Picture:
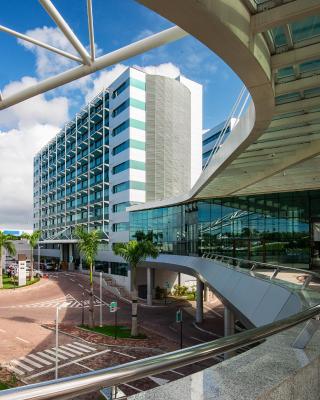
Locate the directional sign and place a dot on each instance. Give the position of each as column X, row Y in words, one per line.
column 166, row 285
column 113, row 306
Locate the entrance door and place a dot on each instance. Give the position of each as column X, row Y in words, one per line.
column 315, row 244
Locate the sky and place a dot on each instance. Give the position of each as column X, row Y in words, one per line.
column 26, row 127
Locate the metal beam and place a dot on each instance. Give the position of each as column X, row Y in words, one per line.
column 297, row 85
column 39, row 43
column 281, row 15
column 131, row 50
column 299, row 105
column 66, row 30
column 275, row 144
column 91, row 30
column 295, row 56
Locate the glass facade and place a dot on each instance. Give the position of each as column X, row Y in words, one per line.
column 277, row 228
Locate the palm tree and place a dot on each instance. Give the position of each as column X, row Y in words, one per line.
column 88, row 243
column 134, row 253
column 33, row 239
column 5, row 244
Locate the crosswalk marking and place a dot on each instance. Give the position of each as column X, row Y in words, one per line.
column 85, row 346
column 41, row 360
column 64, row 352
column 77, row 347
column 31, row 362
column 79, row 353
column 46, row 358
column 43, row 354
column 58, row 355
column 21, row 365
column 16, row 370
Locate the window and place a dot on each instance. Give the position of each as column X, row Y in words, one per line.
column 124, row 125
column 120, row 167
column 120, row 227
column 121, row 207
column 128, row 164
column 121, row 108
column 121, row 88
column 135, row 144
column 120, row 187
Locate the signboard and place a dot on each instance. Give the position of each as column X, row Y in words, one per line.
column 22, row 273
column 179, row 316
column 113, row 306
column 166, row 285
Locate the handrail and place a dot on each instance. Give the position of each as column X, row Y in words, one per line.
column 277, row 268
column 70, row 387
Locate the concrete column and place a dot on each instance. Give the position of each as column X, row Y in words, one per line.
column 199, row 305
column 205, row 294
column 109, row 269
column 129, row 278
column 228, row 327
column 149, row 286
column 70, row 263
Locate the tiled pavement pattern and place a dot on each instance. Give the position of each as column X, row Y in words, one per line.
column 67, row 301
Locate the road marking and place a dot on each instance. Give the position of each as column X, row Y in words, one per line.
column 198, row 340
column 72, row 280
column 43, row 354
column 2, row 330
column 79, row 353
column 79, row 284
column 14, row 369
column 176, row 372
column 45, row 362
column 54, row 354
column 205, row 331
column 122, row 354
column 69, row 363
column 85, row 346
column 21, row 365
column 87, row 290
column 64, row 352
column 33, row 363
column 83, row 366
column 173, row 329
column 132, row 387
column 22, row 340
column 77, row 347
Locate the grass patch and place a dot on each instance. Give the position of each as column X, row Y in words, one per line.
column 123, row 332
column 9, row 283
column 3, row 386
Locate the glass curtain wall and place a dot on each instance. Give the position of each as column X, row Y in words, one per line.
column 277, row 228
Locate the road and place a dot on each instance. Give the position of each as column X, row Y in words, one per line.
column 28, row 348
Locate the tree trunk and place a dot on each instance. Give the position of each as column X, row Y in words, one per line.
column 91, row 304
column 1, row 281
column 31, row 265
column 134, row 301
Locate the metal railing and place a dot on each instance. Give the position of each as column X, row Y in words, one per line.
column 237, row 262
column 70, row 387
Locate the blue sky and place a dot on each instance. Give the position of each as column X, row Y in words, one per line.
column 117, row 23
column 28, row 126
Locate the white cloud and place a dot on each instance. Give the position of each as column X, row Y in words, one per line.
column 37, row 110
column 17, row 148
column 167, row 69
column 24, row 129
column 103, row 79
column 47, row 62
